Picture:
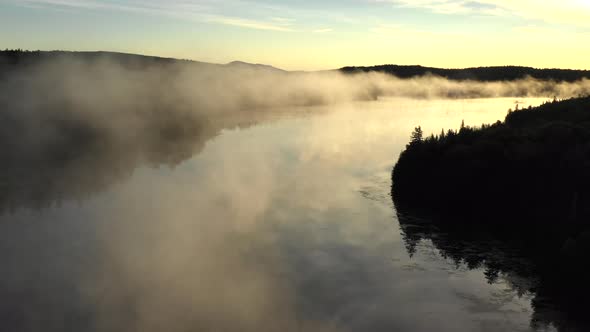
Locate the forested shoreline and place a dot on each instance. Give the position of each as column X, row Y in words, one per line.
column 523, row 184
column 481, row 74
column 534, row 164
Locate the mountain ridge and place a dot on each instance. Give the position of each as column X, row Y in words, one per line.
column 483, row 74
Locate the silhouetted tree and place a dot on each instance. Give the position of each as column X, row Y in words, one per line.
column 417, row 136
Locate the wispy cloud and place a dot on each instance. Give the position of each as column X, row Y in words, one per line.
column 567, row 12
column 324, row 30
column 198, row 10
column 148, row 6
column 283, row 20
column 84, row 4
column 248, row 23
column 447, row 6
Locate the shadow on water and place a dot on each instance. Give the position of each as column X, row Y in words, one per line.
column 86, row 159
column 51, row 270
column 556, row 280
column 67, row 157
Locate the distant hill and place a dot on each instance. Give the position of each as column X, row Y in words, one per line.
column 483, row 74
column 246, row 65
column 11, row 58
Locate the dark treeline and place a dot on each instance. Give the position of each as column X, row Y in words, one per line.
column 16, row 62
column 524, row 182
column 9, row 58
column 19, row 59
column 482, row 74
column 536, row 164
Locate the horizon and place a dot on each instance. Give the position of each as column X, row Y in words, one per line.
column 310, row 36
column 289, row 70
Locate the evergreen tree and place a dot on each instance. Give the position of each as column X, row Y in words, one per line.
column 417, row 135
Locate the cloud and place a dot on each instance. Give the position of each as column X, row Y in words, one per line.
column 567, row 12
column 83, row 4
column 325, row 30
column 202, row 11
column 248, row 23
column 446, row 6
column 149, row 6
column 283, row 20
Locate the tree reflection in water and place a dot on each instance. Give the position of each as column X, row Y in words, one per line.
column 558, row 294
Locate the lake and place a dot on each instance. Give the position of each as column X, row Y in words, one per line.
column 279, row 221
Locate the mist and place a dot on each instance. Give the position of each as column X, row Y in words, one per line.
column 65, row 105
column 105, row 93
column 204, row 248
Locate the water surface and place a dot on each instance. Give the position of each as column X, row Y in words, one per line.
column 277, row 222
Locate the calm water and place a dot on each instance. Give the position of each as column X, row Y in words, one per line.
column 279, row 224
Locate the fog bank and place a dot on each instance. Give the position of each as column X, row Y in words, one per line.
column 101, row 113
column 276, row 228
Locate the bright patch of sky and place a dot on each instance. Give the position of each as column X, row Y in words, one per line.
column 311, row 34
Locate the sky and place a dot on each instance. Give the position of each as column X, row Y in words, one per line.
column 311, row 34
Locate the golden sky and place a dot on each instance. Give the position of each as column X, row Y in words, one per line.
column 312, row 34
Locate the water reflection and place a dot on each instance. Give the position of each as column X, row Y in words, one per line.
column 77, row 175
column 86, row 160
column 527, row 264
column 283, row 225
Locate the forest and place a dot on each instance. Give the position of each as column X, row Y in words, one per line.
column 482, row 74
column 535, row 164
